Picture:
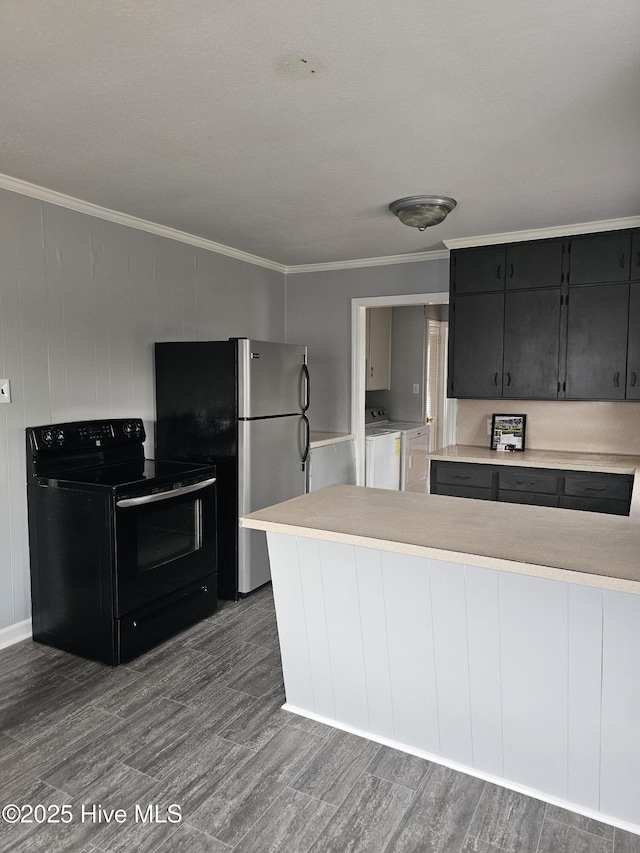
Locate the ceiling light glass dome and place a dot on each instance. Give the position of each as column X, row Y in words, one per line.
column 422, row 211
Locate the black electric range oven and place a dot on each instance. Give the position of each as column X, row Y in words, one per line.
column 122, row 548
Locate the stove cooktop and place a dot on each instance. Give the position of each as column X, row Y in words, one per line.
column 130, row 475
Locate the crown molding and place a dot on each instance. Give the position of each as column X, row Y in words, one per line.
column 414, row 258
column 544, row 233
column 16, row 185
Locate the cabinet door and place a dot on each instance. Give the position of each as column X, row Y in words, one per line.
column 633, row 353
column 597, row 342
column 537, row 264
column 475, row 358
column 378, row 349
column 600, row 258
column 531, row 344
column 635, row 255
column 478, row 270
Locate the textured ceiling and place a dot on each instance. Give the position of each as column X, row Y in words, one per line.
column 284, row 129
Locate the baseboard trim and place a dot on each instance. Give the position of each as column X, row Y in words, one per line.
column 470, row 771
column 15, row 633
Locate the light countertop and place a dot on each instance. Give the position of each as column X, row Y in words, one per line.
column 320, row 439
column 608, row 462
column 588, row 548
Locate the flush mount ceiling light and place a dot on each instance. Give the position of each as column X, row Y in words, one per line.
column 422, row 211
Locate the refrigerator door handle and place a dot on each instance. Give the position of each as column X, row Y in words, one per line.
column 307, row 387
column 307, row 437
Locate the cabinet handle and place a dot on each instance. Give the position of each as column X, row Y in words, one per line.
column 461, row 477
column 594, row 489
column 495, row 379
column 510, row 270
column 638, row 259
column 622, row 257
column 616, row 380
column 526, row 483
column 633, row 379
column 508, row 379
column 498, row 270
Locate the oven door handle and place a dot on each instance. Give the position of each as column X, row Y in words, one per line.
column 163, row 496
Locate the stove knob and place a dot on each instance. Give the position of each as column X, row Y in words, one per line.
column 127, row 428
column 60, row 435
column 138, row 427
column 47, row 436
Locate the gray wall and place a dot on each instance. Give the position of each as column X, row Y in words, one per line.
column 318, row 313
column 81, row 302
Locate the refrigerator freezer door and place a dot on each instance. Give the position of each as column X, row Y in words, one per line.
column 271, row 380
column 270, row 471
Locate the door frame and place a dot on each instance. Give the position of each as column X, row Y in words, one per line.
column 358, row 366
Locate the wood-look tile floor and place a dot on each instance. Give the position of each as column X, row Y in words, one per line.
column 198, row 723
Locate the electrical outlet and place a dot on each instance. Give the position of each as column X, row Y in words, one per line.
column 5, row 391
column 416, row 388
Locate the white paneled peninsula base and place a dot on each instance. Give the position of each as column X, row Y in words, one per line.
column 447, row 628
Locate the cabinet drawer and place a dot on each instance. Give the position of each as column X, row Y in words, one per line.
column 527, row 498
column 464, row 492
column 611, row 507
column 529, row 480
column 462, row 474
column 593, row 485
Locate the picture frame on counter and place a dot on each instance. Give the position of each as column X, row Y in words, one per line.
column 508, row 432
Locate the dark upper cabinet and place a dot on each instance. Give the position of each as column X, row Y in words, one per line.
column 563, row 320
column 597, row 342
column 635, row 255
column 478, row 270
column 536, row 264
column 633, row 351
column 599, row 258
column 531, row 344
column 511, row 267
column 475, row 346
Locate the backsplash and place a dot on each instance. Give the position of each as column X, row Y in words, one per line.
column 558, row 425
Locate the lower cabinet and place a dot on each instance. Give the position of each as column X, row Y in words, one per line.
column 597, row 492
column 584, row 490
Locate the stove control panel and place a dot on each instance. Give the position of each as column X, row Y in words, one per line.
column 87, row 434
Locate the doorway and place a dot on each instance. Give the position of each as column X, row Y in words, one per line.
column 358, row 368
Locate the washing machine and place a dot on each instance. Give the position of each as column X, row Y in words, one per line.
column 414, row 447
column 382, row 457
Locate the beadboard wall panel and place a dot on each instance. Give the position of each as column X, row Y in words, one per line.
column 528, row 682
column 82, row 301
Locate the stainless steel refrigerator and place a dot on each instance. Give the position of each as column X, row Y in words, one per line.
column 239, row 404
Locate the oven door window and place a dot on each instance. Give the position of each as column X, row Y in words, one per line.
column 163, row 546
column 168, row 533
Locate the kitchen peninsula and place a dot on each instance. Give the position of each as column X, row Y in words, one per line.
column 496, row 638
